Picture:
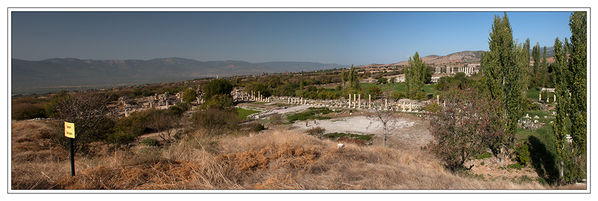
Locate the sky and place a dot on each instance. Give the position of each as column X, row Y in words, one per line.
column 325, row 37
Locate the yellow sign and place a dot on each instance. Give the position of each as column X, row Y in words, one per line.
column 69, row 129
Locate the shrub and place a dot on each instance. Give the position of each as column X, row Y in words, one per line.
column 178, row 109
column 317, row 131
column 523, row 154
column 484, row 155
column 215, row 119
column 189, row 95
column 218, row 101
column 150, row 142
column 255, row 127
column 312, row 113
column 217, row 87
column 515, row 166
column 464, row 127
column 88, row 112
column 21, row 111
column 432, row 107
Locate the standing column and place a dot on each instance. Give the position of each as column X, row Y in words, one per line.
column 359, row 101
column 437, row 99
column 540, row 96
column 554, row 98
column 369, row 101
column 354, row 100
column 349, row 100
column 301, row 101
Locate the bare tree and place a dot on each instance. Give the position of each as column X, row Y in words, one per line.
column 386, row 119
column 90, row 115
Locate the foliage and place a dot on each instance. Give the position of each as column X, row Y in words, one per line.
column 375, row 91
column 255, row 127
column 570, row 88
column 502, row 69
column 243, row 113
column 150, row 142
column 382, row 80
column 523, row 154
column 432, row 107
column 484, row 155
column 465, row 127
column 178, row 109
column 217, row 87
column 317, row 131
column 50, row 107
column 415, row 77
column 516, row 166
column 213, row 118
column 21, row 111
column 311, row 113
column 189, row 95
column 218, row 101
column 348, row 135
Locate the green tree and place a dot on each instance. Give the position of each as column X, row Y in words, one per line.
column 415, row 76
column 544, row 70
column 527, row 71
column 502, row 75
column 577, row 86
column 536, row 69
column 217, row 86
column 189, row 95
column 343, row 77
column 559, row 126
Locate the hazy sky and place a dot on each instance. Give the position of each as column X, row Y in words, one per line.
column 327, row 37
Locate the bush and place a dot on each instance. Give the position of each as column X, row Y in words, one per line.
column 515, row 166
column 523, row 154
column 213, row 118
column 21, row 111
column 189, row 95
column 255, row 127
column 432, row 107
column 317, row 131
column 484, row 155
column 150, row 142
column 88, row 113
column 178, row 109
column 219, row 101
column 217, row 87
column 312, row 113
column 464, row 127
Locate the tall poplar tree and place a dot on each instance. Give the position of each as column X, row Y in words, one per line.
column 415, row 76
column 536, row 57
column 544, row 70
column 502, row 74
column 577, row 86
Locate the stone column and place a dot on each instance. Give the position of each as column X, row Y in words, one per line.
column 369, row 101
column 301, row 101
column 540, row 96
column 354, row 100
column 349, row 100
column 554, row 97
column 437, row 99
column 359, row 101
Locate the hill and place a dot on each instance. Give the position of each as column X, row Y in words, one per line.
column 28, row 76
column 464, row 56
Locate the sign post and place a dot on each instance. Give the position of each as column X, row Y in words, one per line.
column 69, row 131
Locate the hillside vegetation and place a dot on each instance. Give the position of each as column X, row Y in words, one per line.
column 273, row 159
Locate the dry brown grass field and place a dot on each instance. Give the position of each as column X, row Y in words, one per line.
column 271, row 159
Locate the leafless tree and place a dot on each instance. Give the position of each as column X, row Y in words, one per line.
column 388, row 122
column 89, row 112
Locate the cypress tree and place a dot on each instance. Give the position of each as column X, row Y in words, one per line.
column 544, row 70
column 343, row 77
column 415, row 76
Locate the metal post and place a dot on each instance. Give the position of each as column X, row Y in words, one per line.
column 72, row 157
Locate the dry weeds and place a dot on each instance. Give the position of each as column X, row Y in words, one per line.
column 274, row 159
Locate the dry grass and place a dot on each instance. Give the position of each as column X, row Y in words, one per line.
column 274, row 159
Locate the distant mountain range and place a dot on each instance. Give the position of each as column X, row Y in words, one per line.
column 30, row 76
